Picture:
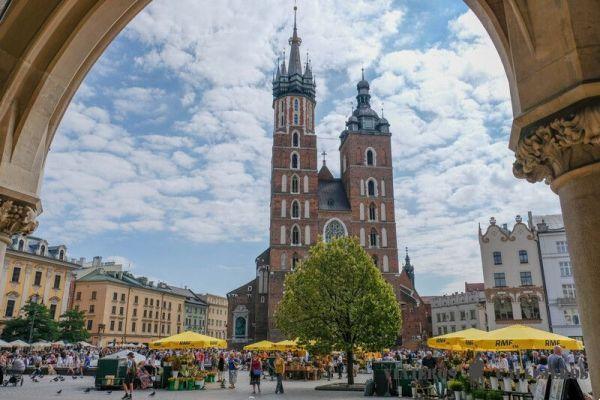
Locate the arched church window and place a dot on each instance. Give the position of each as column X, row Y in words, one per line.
column 296, row 235
column 375, row 260
column 295, row 209
column 371, row 189
column 281, row 122
column 295, row 184
column 372, row 212
column 295, row 261
column 295, row 164
column 296, row 105
column 373, row 238
column 240, row 327
column 334, row 229
column 295, row 139
column 370, row 157
column 295, row 119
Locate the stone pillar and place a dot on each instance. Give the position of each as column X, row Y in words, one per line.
column 66, row 292
column 564, row 150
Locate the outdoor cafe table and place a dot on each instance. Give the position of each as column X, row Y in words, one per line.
column 299, row 372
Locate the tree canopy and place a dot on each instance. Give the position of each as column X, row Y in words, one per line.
column 72, row 326
column 36, row 324
column 337, row 299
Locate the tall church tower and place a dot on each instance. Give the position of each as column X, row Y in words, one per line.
column 294, row 182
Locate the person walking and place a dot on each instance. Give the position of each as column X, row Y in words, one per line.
column 255, row 373
column 130, row 374
column 221, row 368
column 232, row 366
column 340, row 365
column 556, row 362
column 279, row 372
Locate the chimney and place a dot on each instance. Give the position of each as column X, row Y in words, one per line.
column 96, row 261
column 81, row 260
column 505, row 227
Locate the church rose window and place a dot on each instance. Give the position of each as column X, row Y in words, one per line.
column 334, row 229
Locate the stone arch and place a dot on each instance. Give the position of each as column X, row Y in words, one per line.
column 334, row 227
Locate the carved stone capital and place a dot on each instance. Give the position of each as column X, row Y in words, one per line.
column 563, row 144
column 16, row 217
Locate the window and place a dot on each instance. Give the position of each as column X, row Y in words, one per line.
column 78, row 296
column 499, row 279
column 133, row 327
column 122, row 296
column 10, row 308
column 295, row 261
column 497, row 258
column 121, row 310
column 565, row 268
column 135, row 312
column 145, row 313
column 115, row 296
column 530, row 307
column 368, row 123
column 114, row 309
column 37, row 281
column 503, row 308
column 463, row 315
column 90, row 324
column 371, row 191
column 120, row 326
column 472, row 312
column 561, row 247
column 295, row 209
column 571, row 316
column 295, row 164
column 375, row 260
column 52, row 311
column 94, row 295
column 61, row 255
column 569, row 290
column 43, row 250
column 439, row 330
column 91, row 309
column 526, row 279
column 295, row 139
column 21, row 245
column 372, row 212
column 135, row 300
column 112, row 325
column 523, row 257
column 296, row 105
column 370, row 157
column 373, row 238
column 16, row 274
column 295, row 119
column 295, row 235
column 56, row 281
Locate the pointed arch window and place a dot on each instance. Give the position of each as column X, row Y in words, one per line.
column 371, row 188
column 296, row 235
column 295, row 139
column 372, row 212
column 295, row 119
column 281, row 120
column 370, row 157
column 295, row 184
column 373, row 239
column 295, row 162
column 295, row 261
column 296, row 106
column 375, row 260
column 295, row 209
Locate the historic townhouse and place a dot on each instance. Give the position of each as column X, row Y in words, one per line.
column 35, row 271
column 309, row 204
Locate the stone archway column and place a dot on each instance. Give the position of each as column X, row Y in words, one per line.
column 15, row 217
column 564, row 150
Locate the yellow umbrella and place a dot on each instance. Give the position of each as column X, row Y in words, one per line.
column 520, row 337
column 285, row 345
column 188, row 340
column 452, row 341
column 263, row 345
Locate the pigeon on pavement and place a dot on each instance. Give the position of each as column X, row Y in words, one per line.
column 153, row 393
column 59, row 392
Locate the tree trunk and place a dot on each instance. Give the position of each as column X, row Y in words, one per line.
column 350, row 355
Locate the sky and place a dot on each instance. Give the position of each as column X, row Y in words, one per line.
column 162, row 160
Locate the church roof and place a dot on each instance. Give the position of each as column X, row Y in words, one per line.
column 325, row 174
column 263, row 258
column 332, row 195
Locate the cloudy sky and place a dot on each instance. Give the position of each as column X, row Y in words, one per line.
column 162, row 160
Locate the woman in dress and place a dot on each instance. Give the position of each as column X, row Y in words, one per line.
column 255, row 373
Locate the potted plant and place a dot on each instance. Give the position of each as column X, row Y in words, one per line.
column 199, row 379
column 532, row 384
column 456, row 386
column 507, row 381
column 176, row 364
column 494, row 395
column 493, row 379
column 479, row 394
column 467, row 392
column 523, row 384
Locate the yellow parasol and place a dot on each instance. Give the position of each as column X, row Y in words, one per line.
column 188, row 340
column 286, row 345
column 453, row 341
column 520, row 337
column 263, row 345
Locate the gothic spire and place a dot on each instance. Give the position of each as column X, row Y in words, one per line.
column 295, row 66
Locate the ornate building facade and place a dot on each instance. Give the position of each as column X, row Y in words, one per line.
column 309, row 204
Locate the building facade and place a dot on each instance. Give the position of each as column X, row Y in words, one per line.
column 558, row 275
column 121, row 308
column 35, row 271
column 195, row 310
column 513, row 280
column 309, row 204
column 459, row 311
column 216, row 315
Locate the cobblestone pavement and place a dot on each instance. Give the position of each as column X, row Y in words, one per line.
column 74, row 390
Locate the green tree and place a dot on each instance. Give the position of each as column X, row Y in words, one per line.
column 36, row 324
column 338, row 300
column 72, row 326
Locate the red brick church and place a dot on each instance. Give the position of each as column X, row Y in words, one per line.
column 308, row 204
